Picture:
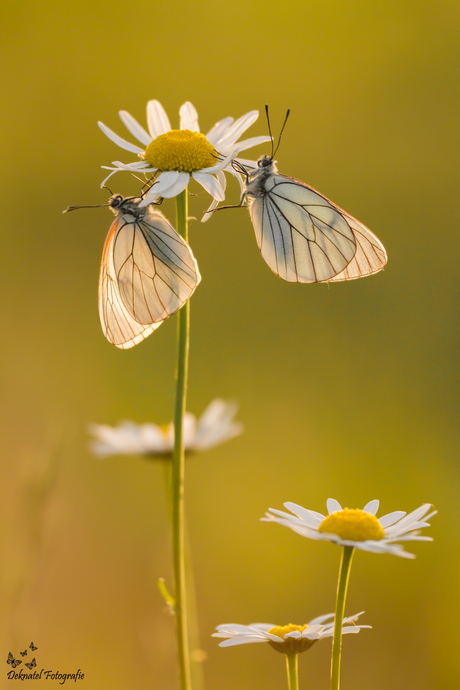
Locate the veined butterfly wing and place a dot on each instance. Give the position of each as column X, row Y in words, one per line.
column 370, row 255
column 147, row 273
column 302, row 235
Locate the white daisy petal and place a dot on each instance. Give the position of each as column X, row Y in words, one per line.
column 189, row 117
column 150, row 197
column 332, row 505
column 371, row 507
column 313, row 629
column 210, row 184
column 240, row 640
column 235, row 627
column 157, row 119
column 221, row 164
column 321, row 619
column 249, row 143
column 214, row 204
column 236, row 130
column 310, row 518
column 135, row 128
column 177, row 187
column 247, row 163
column 108, row 176
column 391, row 518
column 238, row 177
column 122, row 143
column 219, row 130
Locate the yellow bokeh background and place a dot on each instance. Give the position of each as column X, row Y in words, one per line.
column 348, row 390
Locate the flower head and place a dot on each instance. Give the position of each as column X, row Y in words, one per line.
column 178, row 154
column 215, row 426
column 288, row 639
column 354, row 527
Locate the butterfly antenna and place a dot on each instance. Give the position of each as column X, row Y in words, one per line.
column 74, row 208
column 281, row 133
column 109, row 190
column 269, row 129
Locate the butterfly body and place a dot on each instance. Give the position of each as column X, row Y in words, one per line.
column 304, row 237
column 148, row 272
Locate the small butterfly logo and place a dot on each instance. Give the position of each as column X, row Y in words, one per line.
column 32, row 664
column 32, row 647
column 24, row 653
column 11, row 660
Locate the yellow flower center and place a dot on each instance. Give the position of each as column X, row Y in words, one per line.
column 354, row 524
column 182, row 150
column 290, row 645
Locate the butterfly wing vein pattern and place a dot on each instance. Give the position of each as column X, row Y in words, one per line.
column 304, row 237
column 155, row 270
column 148, row 272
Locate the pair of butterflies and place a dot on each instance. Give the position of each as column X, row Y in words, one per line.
column 148, row 270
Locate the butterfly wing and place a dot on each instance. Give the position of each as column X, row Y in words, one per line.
column 155, row 268
column 10, row 658
column 301, row 235
column 370, row 255
column 118, row 326
column 306, row 238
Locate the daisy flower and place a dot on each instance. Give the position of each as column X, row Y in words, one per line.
column 357, row 528
column 288, row 639
column 215, row 426
column 178, row 154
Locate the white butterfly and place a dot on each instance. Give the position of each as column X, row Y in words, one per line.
column 303, row 236
column 148, row 272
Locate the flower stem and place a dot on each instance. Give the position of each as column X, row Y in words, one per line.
column 342, row 585
column 178, row 467
column 292, row 667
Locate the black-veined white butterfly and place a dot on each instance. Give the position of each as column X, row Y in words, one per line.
column 304, row 237
column 32, row 647
column 32, row 664
column 148, row 272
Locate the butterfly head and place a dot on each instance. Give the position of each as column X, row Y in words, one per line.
column 115, row 201
column 126, row 204
column 265, row 166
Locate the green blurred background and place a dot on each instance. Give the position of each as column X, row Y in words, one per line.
column 349, row 391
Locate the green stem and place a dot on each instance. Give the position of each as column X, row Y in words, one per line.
column 342, row 585
column 292, row 668
column 178, row 467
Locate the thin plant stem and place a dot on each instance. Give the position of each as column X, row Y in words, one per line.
column 292, row 668
column 178, row 469
column 342, row 585
column 196, row 666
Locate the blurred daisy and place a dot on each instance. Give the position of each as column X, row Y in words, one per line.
column 357, row 528
column 215, row 426
column 288, row 639
column 178, row 154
